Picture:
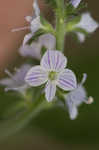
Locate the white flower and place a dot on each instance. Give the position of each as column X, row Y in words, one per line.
column 88, row 24
column 52, row 72
column 16, row 82
column 34, row 50
column 76, row 98
column 75, row 3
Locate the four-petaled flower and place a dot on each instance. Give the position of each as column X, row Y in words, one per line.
column 76, row 97
column 75, row 3
column 52, row 72
column 16, row 82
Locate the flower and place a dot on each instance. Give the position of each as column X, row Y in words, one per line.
column 88, row 24
column 16, row 82
column 34, row 50
column 76, row 97
column 52, row 72
column 34, row 21
column 75, row 3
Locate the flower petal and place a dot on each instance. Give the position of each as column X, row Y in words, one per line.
column 73, row 112
column 81, row 37
column 21, row 73
column 48, row 41
column 36, row 8
column 67, row 80
column 32, row 50
column 50, row 91
column 75, row 3
column 35, row 24
column 27, row 38
column 53, row 60
column 7, row 82
column 36, row 76
column 88, row 23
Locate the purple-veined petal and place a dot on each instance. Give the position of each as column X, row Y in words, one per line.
column 67, row 80
column 48, row 41
column 50, row 91
column 32, row 50
column 36, row 76
column 27, row 38
column 75, row 3
column 53, row 60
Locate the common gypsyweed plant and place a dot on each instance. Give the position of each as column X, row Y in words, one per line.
column 50, row 83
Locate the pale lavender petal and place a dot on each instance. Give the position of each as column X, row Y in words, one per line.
column 50, row 91
column 36, row 76
column 67, row 80
column 75, row 3
column 48, row 41
column 53, row 60
column 77, row 96
column 32, row 50
column 21, row 73
column 88, row 23
column 27, row 38
column 7, row 82
column 35, row 24
column 16, row 80
column 36, row 8
column 72, row 109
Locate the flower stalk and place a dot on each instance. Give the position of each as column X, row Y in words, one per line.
column 60, row 27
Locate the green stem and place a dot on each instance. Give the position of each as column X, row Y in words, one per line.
column 60, row 27
column 60, row 34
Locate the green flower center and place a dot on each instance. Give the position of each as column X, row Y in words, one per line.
column 52, row 75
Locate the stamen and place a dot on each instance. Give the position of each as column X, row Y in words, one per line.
column 90, row 100
column 84, row 78
column 8, row 73
column 20, row 29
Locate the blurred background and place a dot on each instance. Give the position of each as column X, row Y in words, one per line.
column 52, row 129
